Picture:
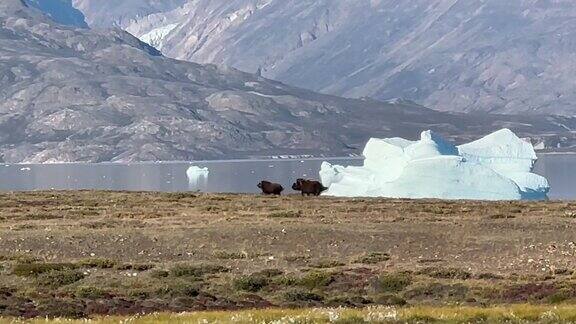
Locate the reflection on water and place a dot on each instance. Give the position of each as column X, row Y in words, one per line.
column 559, row 170
column 224, row 176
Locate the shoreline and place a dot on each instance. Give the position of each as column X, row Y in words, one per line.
column 271, row 159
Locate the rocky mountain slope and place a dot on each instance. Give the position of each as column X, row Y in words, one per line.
column 492, row 55
column 72, row 94
column 120, row 13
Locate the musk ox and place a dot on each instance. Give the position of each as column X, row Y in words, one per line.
column 309, row 187
column 270, row 188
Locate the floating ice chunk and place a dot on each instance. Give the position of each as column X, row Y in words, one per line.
column 430, row 145
column 510, row 156
column 451, row 177
column 501, row 144
column 197, row 178
column 386, row 153
column 502, row 150
column 496, row 167
column 531, row 185
column 344, row 176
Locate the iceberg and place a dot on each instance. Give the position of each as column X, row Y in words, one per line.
column 496, row 167
column 197, row 178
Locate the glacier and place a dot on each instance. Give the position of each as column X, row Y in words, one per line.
column 156, row 36
column 496, row 167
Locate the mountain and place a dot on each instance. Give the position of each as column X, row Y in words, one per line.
column 120, row 13
column 458, row 55
column 72, row 94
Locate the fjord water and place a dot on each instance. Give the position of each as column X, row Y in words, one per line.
column 559, row 169
column 239, row 176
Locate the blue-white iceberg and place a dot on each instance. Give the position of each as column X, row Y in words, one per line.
column 496, row 167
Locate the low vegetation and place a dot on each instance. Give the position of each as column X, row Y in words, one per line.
column 394, row 282
column 110, row 253
column 379, row 314
column 373, row 258
column 83, row 289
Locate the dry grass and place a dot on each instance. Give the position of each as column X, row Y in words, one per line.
column 128, row 227
column 510, row 314
column 124, row 253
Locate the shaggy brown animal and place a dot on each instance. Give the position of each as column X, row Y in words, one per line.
column 309, row 187
column 270, row 188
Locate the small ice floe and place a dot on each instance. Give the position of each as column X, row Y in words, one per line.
column 25, row 169
column 197, row 178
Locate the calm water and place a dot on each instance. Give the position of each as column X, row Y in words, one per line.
column 225, row 176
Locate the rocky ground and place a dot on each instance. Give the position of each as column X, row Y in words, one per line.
column 91, row 253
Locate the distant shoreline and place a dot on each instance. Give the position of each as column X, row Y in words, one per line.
column 237, row 160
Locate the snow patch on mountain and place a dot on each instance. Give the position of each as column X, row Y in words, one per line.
column 156, row 36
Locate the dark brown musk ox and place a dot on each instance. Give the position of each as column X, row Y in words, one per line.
column 270, row 188
column 309, row 187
